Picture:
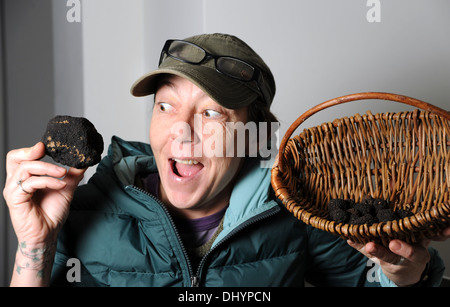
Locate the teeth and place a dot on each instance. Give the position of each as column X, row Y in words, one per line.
column 190, row 162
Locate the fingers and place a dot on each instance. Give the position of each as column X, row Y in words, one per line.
column 382, row 253
column 28, row 169
column 401, row 262
column 35, row 183
column 443, row 235
column 416, row 254
column 25, row 161
column 398, row 252
column 446, row 233
column 38, row 178
column 73, row 177
column 26, row 174
column 16, row 157
column 39, row 168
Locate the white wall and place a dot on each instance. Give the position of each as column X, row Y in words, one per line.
column 317, row 50
column 68, row 62
column 323, row 49
column 113, row 53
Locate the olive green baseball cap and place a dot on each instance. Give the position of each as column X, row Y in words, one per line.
column 225, row 90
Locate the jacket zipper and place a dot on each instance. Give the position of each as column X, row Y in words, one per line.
column 195, row 279
column 255, row 219
column 183, row 249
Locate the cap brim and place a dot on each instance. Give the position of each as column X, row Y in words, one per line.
column 227, row 92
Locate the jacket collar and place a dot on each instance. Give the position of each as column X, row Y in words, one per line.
column 130, row 159
column 251, row 194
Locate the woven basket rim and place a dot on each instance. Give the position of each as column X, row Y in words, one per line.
column 424, row 223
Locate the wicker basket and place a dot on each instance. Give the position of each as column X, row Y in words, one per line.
column 401, row 157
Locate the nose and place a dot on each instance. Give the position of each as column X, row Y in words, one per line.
column 187, row 129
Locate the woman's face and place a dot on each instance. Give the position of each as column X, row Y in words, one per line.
column 189, row 138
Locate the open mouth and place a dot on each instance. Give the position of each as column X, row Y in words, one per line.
column 185, row 167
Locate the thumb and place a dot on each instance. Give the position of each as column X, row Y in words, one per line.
column 37, row 151
column 73, row 177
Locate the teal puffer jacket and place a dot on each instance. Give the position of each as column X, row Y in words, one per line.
column 123, row 236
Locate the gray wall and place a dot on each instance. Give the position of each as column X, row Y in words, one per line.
column 317, row 50
column 27, row 88
column 3, row 210
column 41, row 77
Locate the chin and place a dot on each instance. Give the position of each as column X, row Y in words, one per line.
column 182, row 200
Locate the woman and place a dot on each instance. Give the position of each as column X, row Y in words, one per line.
column 168, row 214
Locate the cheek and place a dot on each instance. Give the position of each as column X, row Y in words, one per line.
column 227, row 170
column 153, row 136
column 157, row 135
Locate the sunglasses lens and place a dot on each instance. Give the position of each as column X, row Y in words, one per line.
column 232, row 67
column 235, row 68
column 186, row 52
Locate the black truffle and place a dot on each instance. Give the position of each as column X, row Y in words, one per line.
column 369, row 211
column 338, row 204
column 340, row 216
column 73, row 141
column 354, row 212
column 364, row 208
column 385, row 215
column 365, row 219
column 338, row 210
column 402, row 213
column 380, row 204
column 367, row 200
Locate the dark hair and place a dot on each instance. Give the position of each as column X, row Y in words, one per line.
column 259, row 112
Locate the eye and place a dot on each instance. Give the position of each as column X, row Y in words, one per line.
column 211, row 113
column 164, row 107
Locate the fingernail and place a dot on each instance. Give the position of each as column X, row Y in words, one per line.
column 394, row 246
column 62, row 170
column 35, row 145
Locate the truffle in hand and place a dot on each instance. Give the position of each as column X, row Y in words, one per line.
column 73, row 141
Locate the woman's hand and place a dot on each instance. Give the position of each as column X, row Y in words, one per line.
column 402, row 263
column 38, row 202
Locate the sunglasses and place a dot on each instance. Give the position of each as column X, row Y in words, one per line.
column 229, row 66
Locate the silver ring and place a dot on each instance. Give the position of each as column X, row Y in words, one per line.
column 19, row 183
column 400, row 262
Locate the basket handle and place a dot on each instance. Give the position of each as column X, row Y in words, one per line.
column 352, row 97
